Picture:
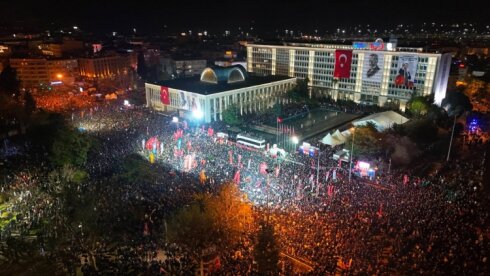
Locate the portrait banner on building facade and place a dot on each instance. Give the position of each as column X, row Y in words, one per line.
column 407, row 67
column 373, row 67
column 164, row 95
column 343, row 61
column 189, row 101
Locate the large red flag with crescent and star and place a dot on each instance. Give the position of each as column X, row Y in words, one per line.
column 164, row 95
column 343, row 61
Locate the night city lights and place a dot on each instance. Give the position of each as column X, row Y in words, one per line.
column 252, row 138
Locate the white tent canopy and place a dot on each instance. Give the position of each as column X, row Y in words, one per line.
column 382, row 120
column 339, row 136
column 331, row 141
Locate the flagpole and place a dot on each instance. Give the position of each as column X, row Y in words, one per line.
column 318, row 168
column 277, row 130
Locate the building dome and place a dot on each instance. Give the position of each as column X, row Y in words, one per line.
column 218, row 74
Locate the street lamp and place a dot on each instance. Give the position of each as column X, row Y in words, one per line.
column 295, row 141
column 198, row 114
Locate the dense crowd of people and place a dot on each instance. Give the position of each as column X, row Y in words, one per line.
column 398, row 224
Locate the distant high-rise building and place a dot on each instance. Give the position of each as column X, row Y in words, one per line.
column 380, row 73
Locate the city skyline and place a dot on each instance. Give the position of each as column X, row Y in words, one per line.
column 256, row 16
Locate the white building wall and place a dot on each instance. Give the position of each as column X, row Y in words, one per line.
column 428, row 64
column 252, row 98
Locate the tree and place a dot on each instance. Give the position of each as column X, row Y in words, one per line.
column 300, row 90
column 136, row 170
column 70, row 147
column 9, row 83
column 266, row 251
column 367, row 141
column 193, row 227
column 142, row 69
column 455, row 104
column 230, row 212
column 29, row 103
column 402, row 149
column 419, row 106
column 421, row 131
column 277, row 109
column 231, row 115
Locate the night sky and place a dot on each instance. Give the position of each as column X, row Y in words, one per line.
column 307, row 15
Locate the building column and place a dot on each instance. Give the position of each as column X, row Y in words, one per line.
column 207, row 112
column 382, row 100
column 215, row 109
column 241, row 103
column 221, row 108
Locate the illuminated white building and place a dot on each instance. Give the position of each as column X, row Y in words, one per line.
column 208, row 95
column 316, row 62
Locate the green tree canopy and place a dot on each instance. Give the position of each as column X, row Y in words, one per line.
column 277, row 109
column 70, row 147
column 367, row 141
column 422, row 131
column 231, row 115
column 136, row 170
column 419, row 106
column 456, row 103
column 300, row 90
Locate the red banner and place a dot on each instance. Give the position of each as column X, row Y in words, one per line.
column 164, row 95
column 343, row 60
column 263, row 168
column 236, row 178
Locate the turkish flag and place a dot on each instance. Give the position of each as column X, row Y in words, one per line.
column 164, row 95
column 343, row 60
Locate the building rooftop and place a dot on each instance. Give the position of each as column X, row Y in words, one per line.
column 195, row 85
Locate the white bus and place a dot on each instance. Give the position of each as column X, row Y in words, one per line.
column 250, row 140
